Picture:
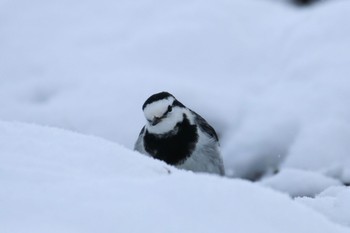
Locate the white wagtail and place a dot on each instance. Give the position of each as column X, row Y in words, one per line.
column 178, row 136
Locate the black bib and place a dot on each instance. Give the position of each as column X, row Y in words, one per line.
column 173, row 147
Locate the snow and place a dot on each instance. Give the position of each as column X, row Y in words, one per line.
column 300, row 182
column 334, row 203
column 272, row 79
column 58, row 181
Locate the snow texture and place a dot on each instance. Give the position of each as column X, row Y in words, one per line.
column 299, row 182
column 272, row 79
column 334, row 202
column 58, row 181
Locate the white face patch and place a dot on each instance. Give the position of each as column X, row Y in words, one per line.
column 168, row 123
column 158, row 108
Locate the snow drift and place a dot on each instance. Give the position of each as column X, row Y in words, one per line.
column 58, row 181
column 271, row 79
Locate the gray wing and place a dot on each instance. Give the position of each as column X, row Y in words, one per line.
column 210, row 152
column 139, row 142
column 205, row 127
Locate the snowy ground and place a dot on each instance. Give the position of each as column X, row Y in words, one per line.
column 272, row 79
column 58, row 181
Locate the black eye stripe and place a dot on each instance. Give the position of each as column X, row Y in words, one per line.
column 170, row 108
column 167, row 111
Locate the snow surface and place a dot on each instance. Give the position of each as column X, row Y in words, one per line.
column 57, row 181
column 300, row 183
column 334, row 202
column 272, row 80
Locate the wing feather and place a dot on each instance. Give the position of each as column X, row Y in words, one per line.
column 205, row 127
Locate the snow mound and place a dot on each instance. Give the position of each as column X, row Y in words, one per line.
column 58, row 181
column 32, row 152
column 300, row 182
column 333, row 203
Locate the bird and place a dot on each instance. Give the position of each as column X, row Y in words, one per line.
column 179, row 136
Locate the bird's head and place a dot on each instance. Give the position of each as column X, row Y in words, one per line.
column 163, row 112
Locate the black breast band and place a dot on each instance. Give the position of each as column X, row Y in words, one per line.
column 173, row 147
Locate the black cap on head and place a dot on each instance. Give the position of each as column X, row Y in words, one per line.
column 156, row 97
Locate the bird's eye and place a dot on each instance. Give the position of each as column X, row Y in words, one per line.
column 170, row 108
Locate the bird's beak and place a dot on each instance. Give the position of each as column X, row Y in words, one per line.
column 156, row 120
